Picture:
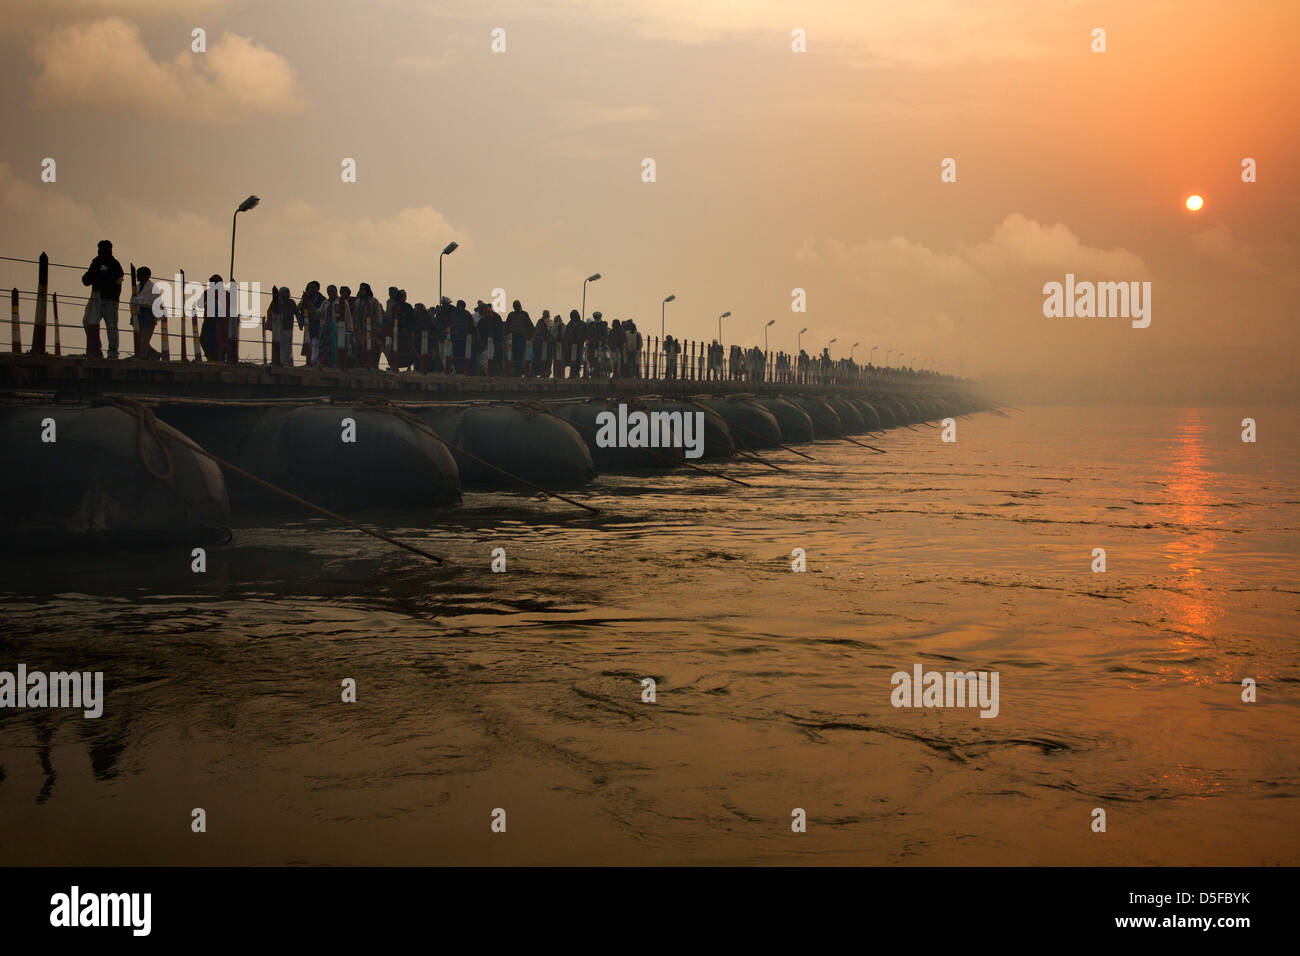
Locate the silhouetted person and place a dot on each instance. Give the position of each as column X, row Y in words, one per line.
column 519, row 326
column 216, row 310
column 311, row 304
column 280, row 317
column 367, row 324
column 146, row 294
column 105, row 280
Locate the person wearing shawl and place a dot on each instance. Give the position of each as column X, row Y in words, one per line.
column 216, row 307
column 329, row 319
column 367, row 321
column 348, row 339
column 539, row 362
column 461, row 330
column 280, row 317
column 309, row 310
column 144, row 304
column 422, row 335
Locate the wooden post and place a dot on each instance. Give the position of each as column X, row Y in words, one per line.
column 58, row 346
column 42, row 289
column 130, row 314
column 15, row 330
column 180, row 310
column 164, row 349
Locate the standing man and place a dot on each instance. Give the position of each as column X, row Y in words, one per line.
column 519, row 325
column 575, row 336
column 105, row 280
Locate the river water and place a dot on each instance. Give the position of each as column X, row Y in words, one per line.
column 522, row 690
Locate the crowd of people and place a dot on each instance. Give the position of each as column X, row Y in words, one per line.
column 341, row 329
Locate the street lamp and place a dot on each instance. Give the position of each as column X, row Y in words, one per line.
column 871, row 356
column 830, row 343
column 900, row 359
column 662, row 306
column 720, row 318
column 590, row 278
column 888, row 352
column 851, row 348
column 244, row 206
column 770, row 323
column 798, row 342
column 451, row 247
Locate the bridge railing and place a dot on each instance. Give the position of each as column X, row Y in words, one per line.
column 177, row 337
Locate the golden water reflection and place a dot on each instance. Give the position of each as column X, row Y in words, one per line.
column 1191, row 605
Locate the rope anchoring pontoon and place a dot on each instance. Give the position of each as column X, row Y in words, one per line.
column 149, row 422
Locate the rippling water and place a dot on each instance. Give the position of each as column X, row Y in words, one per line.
column 522, row 690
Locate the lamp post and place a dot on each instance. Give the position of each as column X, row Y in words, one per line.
column 591, row 278
column 830, row 343
column 249, row 203
column 900, row 359
column 662, row 306
column 451, row 247
column 871, row 356
column 798, row 342
column 851, row 348
column 770, row 323
column 720, row 318
column 888, row 352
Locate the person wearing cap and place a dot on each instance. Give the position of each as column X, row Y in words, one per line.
column 105, row 280
column 144, row 305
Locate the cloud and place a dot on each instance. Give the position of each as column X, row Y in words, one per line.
column 289, row 244
column 918, row 33
column 1023, row 243
column 1218, row 243
column 105, row 64
column 899, row 290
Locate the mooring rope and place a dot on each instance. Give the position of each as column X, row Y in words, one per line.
column 146, row 422
column 145, row 415
column 384, row 405
column 676, row 461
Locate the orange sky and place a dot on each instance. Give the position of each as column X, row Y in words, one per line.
column 775, row 169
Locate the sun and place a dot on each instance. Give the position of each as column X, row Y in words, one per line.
column 1194, row 203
